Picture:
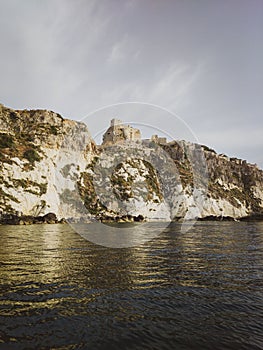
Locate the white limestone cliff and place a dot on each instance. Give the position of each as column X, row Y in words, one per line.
column 50, row 164
column 34, row 186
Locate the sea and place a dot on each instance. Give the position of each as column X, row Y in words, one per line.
column 200, row 289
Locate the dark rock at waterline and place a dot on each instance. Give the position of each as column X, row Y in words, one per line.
column 254, row 217
column 50, row 218
column 216, row 218
column 139, row 218
column 12, row 219
column 122, row 218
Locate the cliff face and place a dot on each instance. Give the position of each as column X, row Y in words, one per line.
column 50, row 164
column 233, row 187
column 36, row 150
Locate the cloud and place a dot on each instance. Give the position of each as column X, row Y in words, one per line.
column 175, row 84
column 117, row 53
column 204, row 62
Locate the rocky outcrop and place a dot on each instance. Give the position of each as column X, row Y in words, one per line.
column 13, row 219
column 36, row 153
column 51, row 165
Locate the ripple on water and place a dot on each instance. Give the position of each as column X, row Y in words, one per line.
column 197, row 290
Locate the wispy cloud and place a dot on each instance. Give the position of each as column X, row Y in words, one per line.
column 175, row 84
column 77, row 56
column 117, row 53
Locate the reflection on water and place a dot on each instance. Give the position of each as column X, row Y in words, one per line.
column 120, row 235
column 202, row 289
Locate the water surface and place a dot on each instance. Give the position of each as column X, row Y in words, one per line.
column 197, row 290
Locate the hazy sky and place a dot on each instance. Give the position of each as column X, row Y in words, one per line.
column 201, row 59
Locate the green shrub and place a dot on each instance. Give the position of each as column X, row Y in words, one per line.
column 31, row 155
column 27, row 136
column 53, row 130
column 13, row 116
column 6, row 141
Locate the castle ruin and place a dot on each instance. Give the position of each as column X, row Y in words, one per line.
column 119, row 132
column 159, row 140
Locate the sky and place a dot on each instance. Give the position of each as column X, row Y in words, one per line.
column 200, row 61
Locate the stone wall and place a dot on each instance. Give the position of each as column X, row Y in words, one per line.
column 119, row 132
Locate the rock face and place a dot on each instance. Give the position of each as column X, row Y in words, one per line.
column 36, row 151
column 51, row 165
column 122, row 180
column 234, row 188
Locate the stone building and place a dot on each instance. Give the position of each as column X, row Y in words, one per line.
column 157, row 139
column 119, row 132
